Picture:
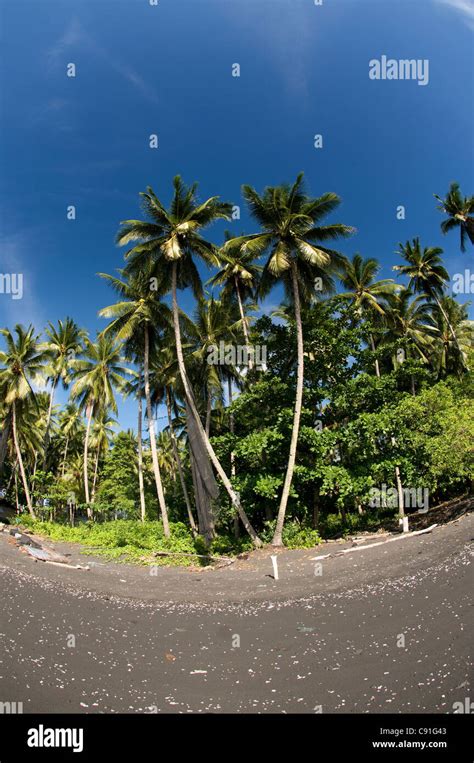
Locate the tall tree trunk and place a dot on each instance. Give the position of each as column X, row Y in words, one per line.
column 96, row 469
column 444, row 314
column 413, row 387
column 20, row 462
column 278, row 536
column 140, row 450
column 245, row 325
column 4, row 437
column 377, row 366
column 210, row 450
column 86, row 456
column 63, row 469
column 179, row 464
column 10, row 479
column 232, row 454
column 48, row 422
column 208, row 413
column 151, row 431
column 16, row 488
column 398, row 480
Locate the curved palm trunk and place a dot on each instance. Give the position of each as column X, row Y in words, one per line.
column 151, row 431
column 398, row 480
column 278, row 536
column 140, row 451
column 17, row 504
column 189, row 396
column 96, row 469
column 86, row 456
column 443, row 312
column 208, row 413
column 20, row 462
column 179, row 464
column 4, row 437
column 377, row 365
column 48, row 422
column 244, row 324
column 232, row 454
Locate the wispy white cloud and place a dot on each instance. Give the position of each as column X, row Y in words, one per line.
column 464, row 7
column 72, row 35
column 14, row 252
column 285, row 33
column 75, row 36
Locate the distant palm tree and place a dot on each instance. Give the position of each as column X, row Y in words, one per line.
column 70, row 425
column 426, row 272
column 164, row 374
column 238, row 278
column 134, row 388
column 172, row 238
column 62, row 346
column 96, row 375
column 21, row 364
column 409, row 326
column 294, row 240
column 367, row 294
column 452, row 356
column 136, row 318
column 460, row 211
column 214, row 322
column 101, row 434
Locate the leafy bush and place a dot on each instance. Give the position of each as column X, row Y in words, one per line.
column 295, row 535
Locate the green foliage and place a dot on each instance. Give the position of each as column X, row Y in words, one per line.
column 295, row 535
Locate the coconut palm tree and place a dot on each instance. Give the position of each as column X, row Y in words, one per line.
column 366, row 294
column 409, row 326
column 426, row 273
column 460, row 211
column 63, row 343
column 136, row 320
column 21, row 364
column 164, row 383
column 102, row 433
column 293, row 238
column 172, row 239
column 238, row 276
column 70, row 426
column 96, row 375
column 452, row 356
column 134, row 388
column 215, row 324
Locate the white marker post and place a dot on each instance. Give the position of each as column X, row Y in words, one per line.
column 275, row 567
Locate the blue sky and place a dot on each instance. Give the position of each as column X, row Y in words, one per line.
column 167, row 69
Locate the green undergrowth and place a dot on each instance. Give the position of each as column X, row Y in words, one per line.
column 134, row 541
column 126, row 540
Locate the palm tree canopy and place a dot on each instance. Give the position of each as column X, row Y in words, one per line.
column 424, row 268
column 140, row 305
column 21, row 363
column 358, row 277
column 63, row 343
column 101, row 369
column 451, row 354
column 173, row 235
column 408, row 320
column 459, row 209
column 237, row 268
column 291, row 233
